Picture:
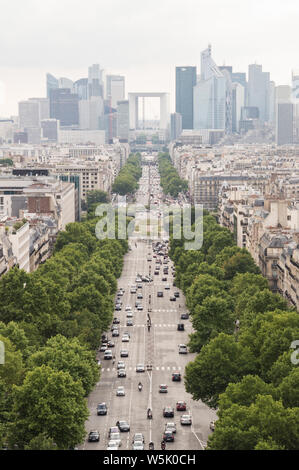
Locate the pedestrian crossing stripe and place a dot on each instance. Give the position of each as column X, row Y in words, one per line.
column 132, row 368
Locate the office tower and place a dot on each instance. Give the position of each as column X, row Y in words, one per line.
column 90, row 112
column 95, row 82
column 209, row 95
column 284, row 123
column 33, row 135
column 52, row 83
column 123, row 120
column 44, row 107
column 64, row 106
column 65, row 83
column 175, row 126
column 20, row 137
column 185, row 80
column 28, row 114
column 295, row 100
column 240, row 77
column 50, row 129
column 81, row 88
column 238, row 102
column 272, row 103
column 227, row 73
column 115, row 89
column 259, row 90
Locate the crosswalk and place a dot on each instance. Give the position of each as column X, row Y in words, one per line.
column 158, row 368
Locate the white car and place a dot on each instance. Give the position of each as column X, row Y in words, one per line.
column 120, row 392
column 138, row 436
column 128, row 308
column 115, row 436
column 121, row 365
column 167, row 287
column 125, row 339
column 112, row 445
column 129, row 315
column 186, row 419
column 138, row 445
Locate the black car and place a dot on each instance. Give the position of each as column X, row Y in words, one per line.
column 116, row 321
column 176, row 294
column 160, row 294
column 168, row 436
column 184, row 316
column 181, row 326
column 93, row 436
column 123, row 426
column 172, row 298
column 176, row 377
column 168, row 412
column 101, row 409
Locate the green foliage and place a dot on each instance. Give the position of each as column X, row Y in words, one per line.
column 126, row 181
column 170, row 181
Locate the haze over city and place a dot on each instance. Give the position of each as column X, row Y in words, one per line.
column 141, row 40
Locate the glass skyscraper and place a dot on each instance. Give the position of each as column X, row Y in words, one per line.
column 185, row 81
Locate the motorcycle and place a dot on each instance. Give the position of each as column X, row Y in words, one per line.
column 149, row 414
column 151, row 446
column 139, row 387
column 163, row 445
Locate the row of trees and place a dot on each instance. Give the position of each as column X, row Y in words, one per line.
column 170, row 181
column 127, row 179
column 51, row 322
column 245, row 369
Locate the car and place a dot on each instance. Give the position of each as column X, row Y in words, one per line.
column 115, row 332
column 139, row 307
column 124, row 353
column 116, row 321
column 156, row 273
column 110, row 344
column 168, row 436
column 129, row 315
column 159, row 294
column 163, row 388
column 176, row 294
column 108, row 354
column 112, row 430
column 172, row 298
column 138, row 436
column 123, row 426
column 127, row 333
column 140, row 368
column 212, row 425
column 115, row 436
column 112, row 445
column 139, row 295
column 137, row 445
column 176, row 377
column 181, row 327
column 186, row 419
column 164, row 279
column 121, row 373
column 120, row 391
column 103, row 348
column 184, row 316
column 139, row 286
column 128, row 308
column 118, row 307
column 94, row 436
column 167, row 287
column 125, row 339
column 170, row 427
column 183, row 349
column 181, row 406
column 121, row 365
column 129, row 323
column 168, row 412
column 133, row 291
column 101, row 409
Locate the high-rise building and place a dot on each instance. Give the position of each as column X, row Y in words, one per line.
column 50, row 129
column 240, row 77
column 65, row 83
column 238, row 102
column 81, row 88
column 123, row 120
column 185, row 81
column 175, row 126
column 209, row 95
column 52, row 83
column 95, row 81
column 44, row 107
column 90, row 112
column 259, row 90
column 115, row 89
column 295, row 100
column 28, row 114
column 284, row 123
column 64, row 106
column 272, row 102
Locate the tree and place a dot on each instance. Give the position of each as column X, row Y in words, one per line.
column 95, row 197
column 41, row 442
column 221, row 361
column 70, row 356
column 240, row 263
column 76, row 232
column 203, row 286
column 49, row 402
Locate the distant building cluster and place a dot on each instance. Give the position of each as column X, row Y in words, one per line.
column 43, row 190
column 254, row 190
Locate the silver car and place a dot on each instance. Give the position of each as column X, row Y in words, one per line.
column 120, row 392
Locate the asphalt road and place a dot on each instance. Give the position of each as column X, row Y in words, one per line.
column 159, row 347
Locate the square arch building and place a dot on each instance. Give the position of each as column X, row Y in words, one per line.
column 164, row 108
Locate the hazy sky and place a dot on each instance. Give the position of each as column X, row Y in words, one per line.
column 141, row 39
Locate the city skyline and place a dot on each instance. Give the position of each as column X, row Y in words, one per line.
column 167, row 37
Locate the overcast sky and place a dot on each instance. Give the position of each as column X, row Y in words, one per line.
column 141, row 39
